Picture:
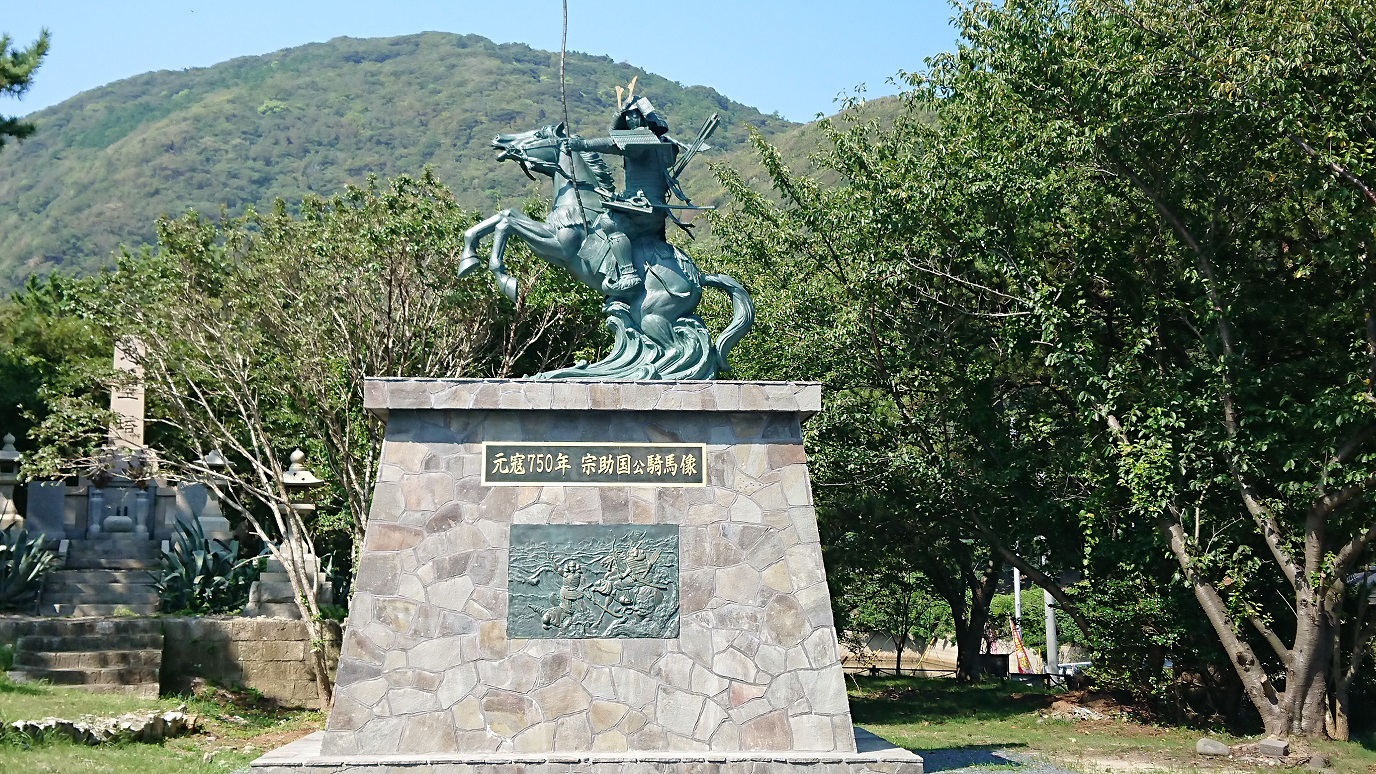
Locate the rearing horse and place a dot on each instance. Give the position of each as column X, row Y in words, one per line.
column 560, row 238
column 658, row 336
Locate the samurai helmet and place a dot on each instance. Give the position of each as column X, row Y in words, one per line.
column 641, row 113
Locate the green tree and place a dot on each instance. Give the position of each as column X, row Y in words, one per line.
column 1115, row 259
column 257, row 332
column 47, row 350
column 16, row 75
column 936, row 407
column 1206, row 286
column 876, row 590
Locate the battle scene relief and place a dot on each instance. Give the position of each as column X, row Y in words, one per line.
column 593, row 580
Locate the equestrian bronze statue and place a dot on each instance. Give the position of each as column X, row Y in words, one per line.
column 614, row 242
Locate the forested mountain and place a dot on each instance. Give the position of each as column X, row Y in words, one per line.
column 106, row 163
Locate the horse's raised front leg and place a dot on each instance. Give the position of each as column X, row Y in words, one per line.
column 468, row 260
column 542, row 239
column 496, row 261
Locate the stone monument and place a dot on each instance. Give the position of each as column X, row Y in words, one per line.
column 571, row 573
column 127, row 397
column 596, row 573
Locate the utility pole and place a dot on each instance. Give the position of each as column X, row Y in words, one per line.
column 1053, row 658
column 1017, row 597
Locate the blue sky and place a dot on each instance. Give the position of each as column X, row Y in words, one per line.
column 793, row 57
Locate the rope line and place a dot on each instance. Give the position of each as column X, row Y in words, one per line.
column 564, row 98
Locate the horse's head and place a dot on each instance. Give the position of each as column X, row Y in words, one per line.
column 536, row 150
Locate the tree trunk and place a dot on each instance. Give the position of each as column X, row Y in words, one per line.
column 1337, row 708
column 968, row 645
column 1336, row 723
column 1274, row 707
column 968, row 596
column 324, row 690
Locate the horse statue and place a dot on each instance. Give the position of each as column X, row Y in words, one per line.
column 658, row 335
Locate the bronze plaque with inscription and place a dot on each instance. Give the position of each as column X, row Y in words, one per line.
column 593, row 580
column 594, row 464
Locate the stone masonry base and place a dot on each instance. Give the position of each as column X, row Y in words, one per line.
column 873, row 756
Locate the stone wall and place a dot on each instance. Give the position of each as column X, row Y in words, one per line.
column 265, row 654
column 428, row 665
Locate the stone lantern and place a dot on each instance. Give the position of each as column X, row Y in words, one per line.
column 212, row 518
column 299, row 480
column 9, row 476
column 271, row 594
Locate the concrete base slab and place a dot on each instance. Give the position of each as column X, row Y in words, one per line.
column 874, row 756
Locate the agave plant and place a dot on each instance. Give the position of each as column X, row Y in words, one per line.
column 203, row 576
column 23, row 563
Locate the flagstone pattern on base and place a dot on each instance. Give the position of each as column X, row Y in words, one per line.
column 427, row 665
column 873, row 756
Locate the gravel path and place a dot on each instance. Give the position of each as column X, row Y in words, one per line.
column 978, row 760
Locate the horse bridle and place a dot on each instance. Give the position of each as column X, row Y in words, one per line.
column 519, row 155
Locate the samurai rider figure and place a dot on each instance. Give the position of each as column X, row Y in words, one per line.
column 640, row 136
column 569, row 600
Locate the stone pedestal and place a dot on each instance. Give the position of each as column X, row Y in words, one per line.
column 672, row 615
column 271, row 596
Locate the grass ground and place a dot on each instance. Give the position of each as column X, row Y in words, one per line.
column 925, row 715
column 233, row 732
column 28, row 701
column 934, row 714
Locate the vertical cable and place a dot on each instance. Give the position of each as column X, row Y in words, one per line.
column 564, row 98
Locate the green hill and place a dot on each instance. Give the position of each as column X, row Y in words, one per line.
column 106, row 163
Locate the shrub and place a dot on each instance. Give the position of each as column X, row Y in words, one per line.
column 203, row 576
column 23, row 563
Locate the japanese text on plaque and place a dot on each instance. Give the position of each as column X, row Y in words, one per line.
column 588, row 464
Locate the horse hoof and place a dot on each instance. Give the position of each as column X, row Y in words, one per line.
column 467, row 263
column 508, row 286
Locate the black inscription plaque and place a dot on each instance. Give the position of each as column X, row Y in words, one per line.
column 594, row 464
column 592, row 580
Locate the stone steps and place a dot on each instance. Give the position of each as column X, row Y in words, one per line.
column 143, row 691
column 63, row 597
column 277, row 610
column 78, row 643
column 273, row 597
column 99, row 655
column 104, row 576
column 275, row 590
column 132, row 682
column 59, row 586
column 113, row 553
column 96, row 610
column 90, row 659
column 113, row 563
column 94, row 628
column 100, row 577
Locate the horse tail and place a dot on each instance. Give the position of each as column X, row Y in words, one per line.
column 742, row 315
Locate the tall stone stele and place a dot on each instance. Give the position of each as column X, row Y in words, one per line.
column 612, row 567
